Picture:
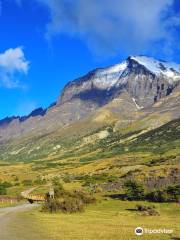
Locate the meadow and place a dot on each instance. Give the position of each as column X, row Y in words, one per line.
column 107, row 220
column 150, row 158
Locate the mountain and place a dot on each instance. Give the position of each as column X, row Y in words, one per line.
column 114, row 123
column 145, row 79
column 139, row 81
column 34, row 113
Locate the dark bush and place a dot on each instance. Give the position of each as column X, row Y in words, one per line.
column 86, row 198
column 59, row 190
column 173, row 193
column 66, row 204
column 67, row 179
column 142, row 207
column 27, row 182
column 3, row 190
column 134, row 190
column 7, row 184
column 66, row 201
column 98, row 178
column 157, row 196
column 17, row 184
column 147, row 210
column 71, row 205
column 4, row 186
column 51, row 205
column 169, row 194
column 39, row 181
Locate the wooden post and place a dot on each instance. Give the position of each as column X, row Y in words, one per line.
column 51, row 192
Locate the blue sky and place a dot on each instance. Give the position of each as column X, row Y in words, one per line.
column 46, row 43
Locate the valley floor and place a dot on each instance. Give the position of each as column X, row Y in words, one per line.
column 106, row 220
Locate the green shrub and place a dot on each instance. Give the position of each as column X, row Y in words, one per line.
column 27, row 182
column 148, row 210
column 157, row 196
column 51, row 205
column 4, row 186
column 67, row 179
column 141, row 207
column 169, row 194
column 3, row 190
column 84, row 197
column 16, row 184
column 39, row 181
column 173, row 193
column 98, row 178
column 66, row 204
column 66, row 201
column 71, row 205
column 134, row 190
column 58, row 188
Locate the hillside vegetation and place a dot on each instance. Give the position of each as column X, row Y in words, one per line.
column 102, row 156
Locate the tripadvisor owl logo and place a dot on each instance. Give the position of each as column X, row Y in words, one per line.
column 139, row 231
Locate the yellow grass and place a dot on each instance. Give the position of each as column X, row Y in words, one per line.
column 108, row 220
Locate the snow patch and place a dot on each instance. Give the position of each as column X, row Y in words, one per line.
column 117, row 75
column 56, row 147
column 137, row 106
column 108, row 77
column 169, row 69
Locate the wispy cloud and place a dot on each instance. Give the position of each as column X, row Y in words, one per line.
column 113, row 26
column 116, row 26
column 12, row 65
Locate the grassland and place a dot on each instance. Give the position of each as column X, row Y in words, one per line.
column 102, row 157
column 107, row 220
column 152, row 156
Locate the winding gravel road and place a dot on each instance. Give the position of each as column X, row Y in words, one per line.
column 9, row 227
column 7, row 210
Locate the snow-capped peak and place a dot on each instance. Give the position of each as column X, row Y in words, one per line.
column 108, row 77
column 169, row 69
column 115, row 68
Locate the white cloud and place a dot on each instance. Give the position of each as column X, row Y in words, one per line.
column 14, row 60
column 111, row 26
column 12, row 65
column 116, row 26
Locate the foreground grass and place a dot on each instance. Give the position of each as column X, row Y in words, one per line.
column 107, row 220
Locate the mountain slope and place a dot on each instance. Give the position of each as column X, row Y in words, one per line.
column 82, row 150
column 143, row 81
column 113, row 124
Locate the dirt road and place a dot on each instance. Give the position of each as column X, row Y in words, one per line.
column 7, row 210
column 13, row 226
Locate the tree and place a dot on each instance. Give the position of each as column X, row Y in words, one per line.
column 174, row 193
column 3, row 187
column 58, row 188
column 3, row 190
column 157, row 196
column 134, row 190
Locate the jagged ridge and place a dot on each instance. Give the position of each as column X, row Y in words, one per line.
column 144, row 80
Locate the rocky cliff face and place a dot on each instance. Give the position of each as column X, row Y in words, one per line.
column 144, row 80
